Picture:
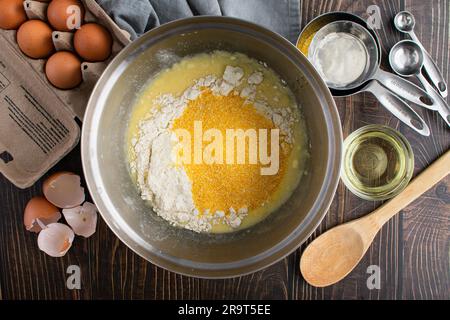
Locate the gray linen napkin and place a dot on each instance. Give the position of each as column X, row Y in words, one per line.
column 139, row 16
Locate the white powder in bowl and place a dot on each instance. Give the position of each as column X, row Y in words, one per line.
column 340, row 58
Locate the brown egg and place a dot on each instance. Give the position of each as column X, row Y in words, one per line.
column 63, row 70
column 93, row 42
column 12, row 14
column 40, row 209
column 34, row 38
column 62, row 18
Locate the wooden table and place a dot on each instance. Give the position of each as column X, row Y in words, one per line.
column 412, row 250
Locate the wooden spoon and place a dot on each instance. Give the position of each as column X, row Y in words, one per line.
column 334, row 254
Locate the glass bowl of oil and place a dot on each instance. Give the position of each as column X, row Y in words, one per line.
column 378, row 162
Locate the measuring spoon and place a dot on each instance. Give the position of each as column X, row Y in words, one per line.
column 407, row 59
column 397, row 107
column 405, row 22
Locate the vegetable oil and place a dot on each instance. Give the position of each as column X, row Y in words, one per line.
column 378, row 162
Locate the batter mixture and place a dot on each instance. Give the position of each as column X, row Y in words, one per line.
column 181, row 130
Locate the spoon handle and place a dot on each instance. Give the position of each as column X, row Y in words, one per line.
column 442, row 106
column 432, row 69
column 398, row 108
column 405, row 89
column 425, row 181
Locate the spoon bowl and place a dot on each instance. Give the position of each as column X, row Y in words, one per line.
column 406, row 58
column 332, row 256
column 404, row 21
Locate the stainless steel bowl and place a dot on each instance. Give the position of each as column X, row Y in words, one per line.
column 132, row 220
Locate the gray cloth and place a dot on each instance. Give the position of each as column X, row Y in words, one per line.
column 139, row 16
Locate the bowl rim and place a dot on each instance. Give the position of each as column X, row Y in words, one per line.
column 277, row 252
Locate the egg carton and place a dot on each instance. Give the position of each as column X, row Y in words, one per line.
column 37, row 122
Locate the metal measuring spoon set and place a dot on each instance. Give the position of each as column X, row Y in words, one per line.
column 408, row 58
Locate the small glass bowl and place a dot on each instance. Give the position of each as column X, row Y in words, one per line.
column 378, row 163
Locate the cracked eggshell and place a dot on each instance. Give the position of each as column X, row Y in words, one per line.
column 63, row 189
column 56, row 239
column 83, row 219
column 39, row 208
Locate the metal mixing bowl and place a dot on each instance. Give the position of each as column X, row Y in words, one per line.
column 132, row 220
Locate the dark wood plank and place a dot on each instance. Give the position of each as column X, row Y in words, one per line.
column 411, row 250
column 426, row 223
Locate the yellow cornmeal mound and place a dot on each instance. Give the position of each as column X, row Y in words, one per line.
column 219, row 187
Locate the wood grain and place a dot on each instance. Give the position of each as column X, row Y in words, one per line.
column 412, row 250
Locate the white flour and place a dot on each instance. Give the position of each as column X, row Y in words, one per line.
column 167, row 185
column 340, row 58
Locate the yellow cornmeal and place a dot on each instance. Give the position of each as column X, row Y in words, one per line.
column 305, row 43
column 219, row 187
column 233, row 182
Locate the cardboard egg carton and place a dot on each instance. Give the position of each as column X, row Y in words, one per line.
column 37, row 120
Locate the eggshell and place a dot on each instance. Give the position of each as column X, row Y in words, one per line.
column 34, row 38
column 38, row 208
column 93, row 42
column 63, row 70
column 63, row 190
column 56, row 239
column 12, row 14
column 61, row 17
column 83, row 219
